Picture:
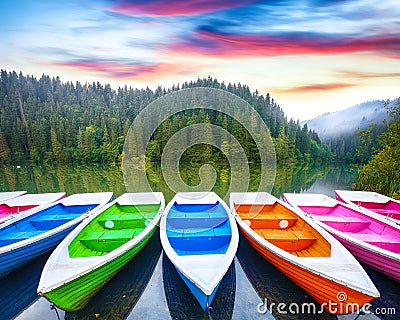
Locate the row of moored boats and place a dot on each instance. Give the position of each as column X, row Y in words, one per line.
column 317, row 241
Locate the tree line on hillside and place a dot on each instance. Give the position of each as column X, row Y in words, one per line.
column 382, row 172
column 45, row 120
column 345, row 146
column 339, row 130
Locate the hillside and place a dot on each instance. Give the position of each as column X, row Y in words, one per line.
column 340, row 129
column 45, row 121
column 348, row 121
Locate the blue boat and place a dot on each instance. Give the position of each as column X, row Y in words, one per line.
column 42, row 228
column 200, row 237
column 18, row 289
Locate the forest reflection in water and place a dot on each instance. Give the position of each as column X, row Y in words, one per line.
column 97, row 178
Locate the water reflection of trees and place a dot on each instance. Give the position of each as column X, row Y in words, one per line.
column 297, row 178
column 77, row 179
column 71, row 179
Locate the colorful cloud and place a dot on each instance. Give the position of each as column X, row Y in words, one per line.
column 315, row 87
column 212, row 43
column 126, row 71
column 369, row 75
column 344, row 50
column 174, row 7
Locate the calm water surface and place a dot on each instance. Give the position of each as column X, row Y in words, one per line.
column 149, row 287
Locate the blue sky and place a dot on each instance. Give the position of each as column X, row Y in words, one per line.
column 312, row 56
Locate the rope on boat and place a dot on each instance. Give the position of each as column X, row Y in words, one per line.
column 360, row 313
column 53, row 307
column 208, row 308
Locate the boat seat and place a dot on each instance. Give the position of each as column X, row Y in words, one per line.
column 53, row 221
column 195, row 222
column 271, row 221
column 288, row 240
column 199, row 241
column 78, row 208
column 223, row 231
column 345, row 224
column 107, row 241
column 13, row 237
column 125, row 221
column 331, row 218
column 384, row 241
column 387, row 212
column 134, row 215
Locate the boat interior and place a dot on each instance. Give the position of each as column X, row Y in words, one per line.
column 6, row 210
column 197, row 229
column 41, row 222
column 390, row 208
column 284, row 228
column 111, row 229
column 357, row 225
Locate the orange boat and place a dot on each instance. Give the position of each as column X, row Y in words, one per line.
column 303, row 251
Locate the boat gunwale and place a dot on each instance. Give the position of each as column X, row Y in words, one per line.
column 346, row 194
column 347, row 200
column 47, row 198
column 13, row 194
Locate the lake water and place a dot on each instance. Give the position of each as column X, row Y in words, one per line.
column 149, row 287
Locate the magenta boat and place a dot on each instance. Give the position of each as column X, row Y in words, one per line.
column 25, row 202
column 372, row 239
column 376, row 202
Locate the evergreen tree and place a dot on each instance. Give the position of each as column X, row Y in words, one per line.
column 381, row 173
column 45, row 119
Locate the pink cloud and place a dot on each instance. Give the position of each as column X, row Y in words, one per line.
column 368, row 75
column 175, row 7
column 121, row 71
column 315, row 87
column 236, row 45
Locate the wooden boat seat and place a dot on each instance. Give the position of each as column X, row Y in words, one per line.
column 125, row 221
column 288, row 240
column 345, row 224
column 195, row 222
column 107, row 241
column 53, row 221
column 271, row 221
column 13, row 237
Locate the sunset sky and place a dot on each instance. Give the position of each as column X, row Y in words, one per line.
column 312, row 56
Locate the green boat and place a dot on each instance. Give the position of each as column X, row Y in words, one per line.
column 98, row 248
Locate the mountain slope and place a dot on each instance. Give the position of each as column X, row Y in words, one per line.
column 348, row 121
column 340, row 129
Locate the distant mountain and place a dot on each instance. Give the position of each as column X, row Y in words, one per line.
column 339, row 130
column 348, row 121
